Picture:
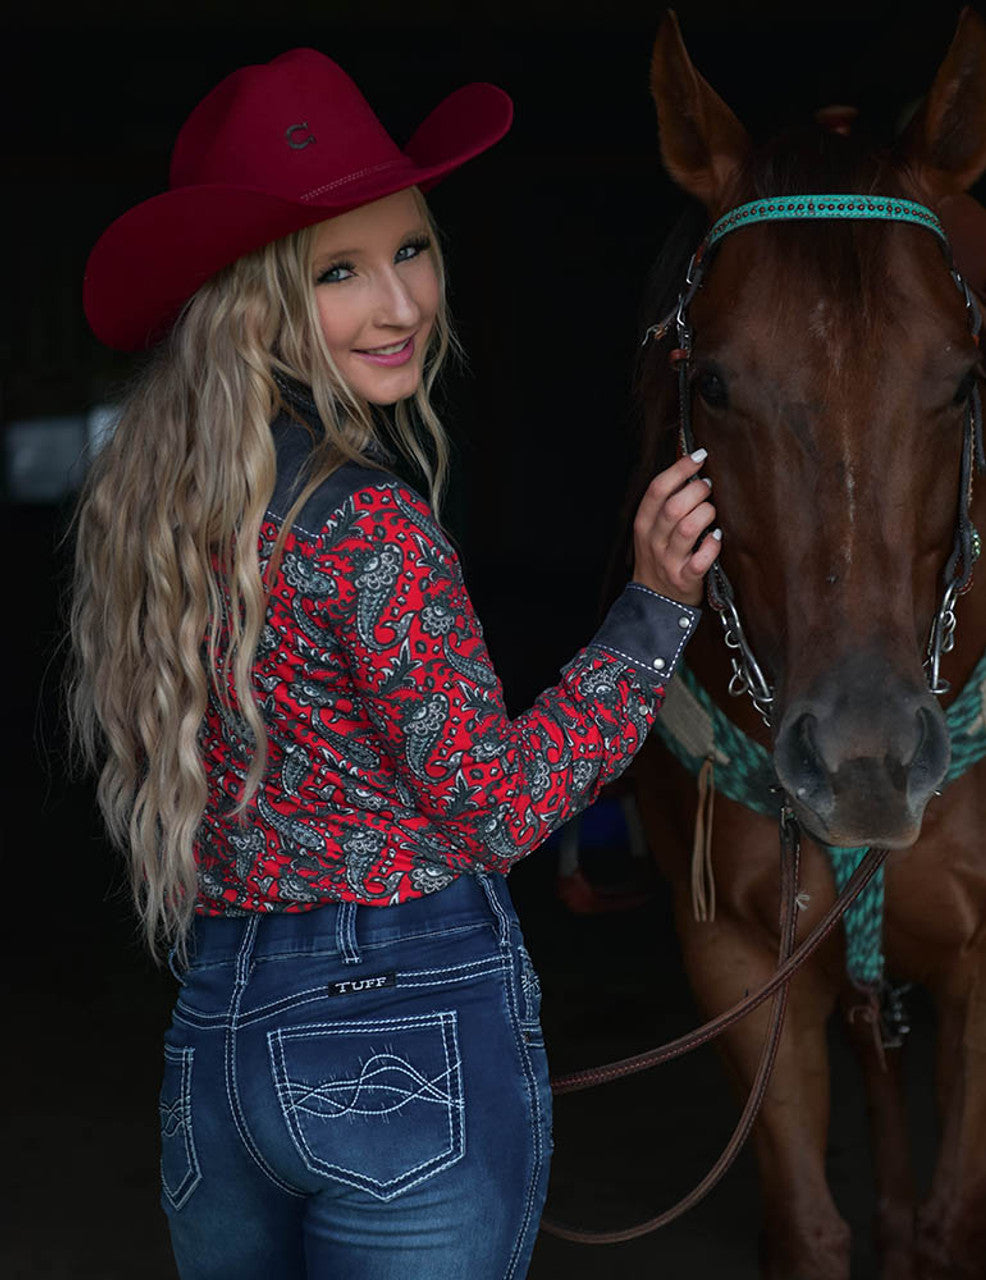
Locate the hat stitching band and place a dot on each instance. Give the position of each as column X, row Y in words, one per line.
column 351, row 177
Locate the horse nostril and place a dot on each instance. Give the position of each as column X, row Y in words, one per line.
column 929, row 759
column 809, row 757
column 799, row 763
column 896, row 771
column 921, row 728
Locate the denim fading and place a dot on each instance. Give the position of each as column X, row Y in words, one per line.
column 358, row 1093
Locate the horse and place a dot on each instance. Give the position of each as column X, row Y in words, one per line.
column 832, row 371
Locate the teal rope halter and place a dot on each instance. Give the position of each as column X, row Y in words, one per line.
column 749, row 779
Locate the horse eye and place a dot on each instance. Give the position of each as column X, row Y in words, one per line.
column 965, row 387
column 712, row 388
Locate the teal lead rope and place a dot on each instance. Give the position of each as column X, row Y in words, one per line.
column 747, row 776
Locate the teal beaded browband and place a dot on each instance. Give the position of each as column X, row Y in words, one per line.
column 775, row 209
column 830, row 206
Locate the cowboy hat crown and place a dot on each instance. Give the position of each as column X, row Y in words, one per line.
column 280, row 126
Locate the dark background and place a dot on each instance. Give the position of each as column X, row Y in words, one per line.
column 549, row 238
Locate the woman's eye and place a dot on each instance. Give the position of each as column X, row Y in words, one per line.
column 712, row 389
column 338, row 271
column 411, row 250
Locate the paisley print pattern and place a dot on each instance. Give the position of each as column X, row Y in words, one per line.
column 423, row 726
column 393, row 766
column 479, row 672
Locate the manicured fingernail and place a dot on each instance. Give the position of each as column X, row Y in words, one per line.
column 717, row 534
column 699, row 455
column 707, row 480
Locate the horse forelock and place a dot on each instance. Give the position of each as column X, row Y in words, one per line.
column 841, row 270
column 845, row 264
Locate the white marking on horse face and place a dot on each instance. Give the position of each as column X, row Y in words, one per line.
column 851, row 508
column 847, row 444
column 824, row 329
column 829, row 332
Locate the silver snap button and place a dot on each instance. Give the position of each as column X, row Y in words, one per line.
column 658, row 664
column 684, row 623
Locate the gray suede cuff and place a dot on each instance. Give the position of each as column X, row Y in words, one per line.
column 648, row 630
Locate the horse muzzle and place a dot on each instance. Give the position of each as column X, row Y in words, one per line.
column 861, row 756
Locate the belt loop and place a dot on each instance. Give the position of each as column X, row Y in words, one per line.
column 346, row 933
column 245, row 953
column 496, row 906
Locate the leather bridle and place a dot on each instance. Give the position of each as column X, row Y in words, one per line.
column 748, row 677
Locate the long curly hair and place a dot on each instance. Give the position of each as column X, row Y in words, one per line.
column 169, row 597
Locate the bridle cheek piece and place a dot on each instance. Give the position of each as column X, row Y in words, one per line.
column 748, row 676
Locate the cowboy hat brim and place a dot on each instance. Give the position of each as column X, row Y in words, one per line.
column 153, row 258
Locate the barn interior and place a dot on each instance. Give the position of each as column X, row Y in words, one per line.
column 549, row 239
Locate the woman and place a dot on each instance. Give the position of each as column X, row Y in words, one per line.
column 304, row 746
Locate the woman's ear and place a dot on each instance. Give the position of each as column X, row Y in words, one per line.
column 703, row 145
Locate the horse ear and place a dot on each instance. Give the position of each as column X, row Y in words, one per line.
column 703, row 144
column 946, row 140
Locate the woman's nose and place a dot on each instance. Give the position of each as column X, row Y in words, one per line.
column 396, row 304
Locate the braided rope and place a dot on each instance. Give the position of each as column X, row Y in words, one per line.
column 747, row 776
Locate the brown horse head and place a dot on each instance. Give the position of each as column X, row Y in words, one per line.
column 830, row 377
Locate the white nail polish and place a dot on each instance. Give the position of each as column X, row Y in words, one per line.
column 699, row 455
column 707, row 480
column 717, row 534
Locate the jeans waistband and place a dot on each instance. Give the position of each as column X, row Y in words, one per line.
column 345, row 927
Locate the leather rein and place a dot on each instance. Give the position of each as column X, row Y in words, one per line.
column 748, row 677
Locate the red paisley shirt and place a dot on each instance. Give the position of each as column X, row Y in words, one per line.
column 393, row 766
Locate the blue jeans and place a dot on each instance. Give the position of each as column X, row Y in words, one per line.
column 358, row 1093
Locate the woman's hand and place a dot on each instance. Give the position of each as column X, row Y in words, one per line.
column 670, row 519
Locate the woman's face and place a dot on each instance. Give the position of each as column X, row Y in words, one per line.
column 377, row 290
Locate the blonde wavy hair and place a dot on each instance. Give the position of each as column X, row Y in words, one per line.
column 169, row 597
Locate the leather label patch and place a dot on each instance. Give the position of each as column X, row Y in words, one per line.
column 353, row 986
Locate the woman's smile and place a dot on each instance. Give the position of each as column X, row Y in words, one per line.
column 394, row 354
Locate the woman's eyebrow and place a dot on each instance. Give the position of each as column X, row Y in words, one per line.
column 326, row 254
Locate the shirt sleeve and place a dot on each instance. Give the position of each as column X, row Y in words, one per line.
column 401, row 615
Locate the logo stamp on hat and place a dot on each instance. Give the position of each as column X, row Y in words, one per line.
column 298, row 143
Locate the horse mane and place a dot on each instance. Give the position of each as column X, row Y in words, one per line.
column 847, row 258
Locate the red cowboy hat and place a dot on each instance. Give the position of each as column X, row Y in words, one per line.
column 273, row 148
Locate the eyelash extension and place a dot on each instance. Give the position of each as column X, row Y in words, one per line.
column 333, row 266
column 421, row 243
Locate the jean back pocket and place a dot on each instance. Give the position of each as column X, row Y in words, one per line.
column 376, row 1103
column 180, row 1173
